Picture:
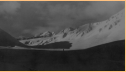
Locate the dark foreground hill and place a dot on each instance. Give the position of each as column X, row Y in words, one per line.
column 7, row 40
column 107, row 57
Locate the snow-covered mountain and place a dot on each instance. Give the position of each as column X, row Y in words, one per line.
column 45, row 34
column 37, row 39
column 88, row 35
column 112, row 29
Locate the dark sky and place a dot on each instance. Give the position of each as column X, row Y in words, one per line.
column 31, row 18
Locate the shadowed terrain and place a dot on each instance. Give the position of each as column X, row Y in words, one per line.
column 106, row 57
column 8, row 40
column 56, row 45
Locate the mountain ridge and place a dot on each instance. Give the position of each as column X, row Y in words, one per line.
column 90, row 34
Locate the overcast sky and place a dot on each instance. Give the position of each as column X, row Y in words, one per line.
column 31, row 18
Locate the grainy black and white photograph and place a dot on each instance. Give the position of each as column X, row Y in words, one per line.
column 62, row 35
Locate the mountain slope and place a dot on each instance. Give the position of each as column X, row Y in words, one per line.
column 109, row 30
column 8, row 40
column 88, row 35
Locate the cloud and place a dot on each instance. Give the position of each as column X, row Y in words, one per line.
column 42, row 29
column 9, row 7
column 104, row 8
column 60, row 15
column 38, row 30
column 34, row 17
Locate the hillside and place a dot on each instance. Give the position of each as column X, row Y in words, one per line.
column 9, row 41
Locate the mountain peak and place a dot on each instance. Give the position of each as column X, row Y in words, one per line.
column 45, row 34
column 67, row 30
